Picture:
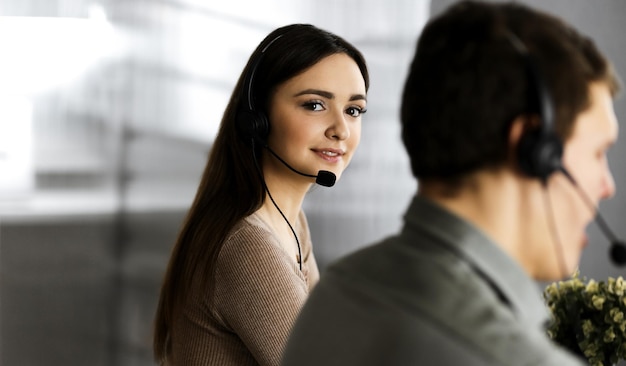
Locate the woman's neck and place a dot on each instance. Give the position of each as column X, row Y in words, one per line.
column 287, row 194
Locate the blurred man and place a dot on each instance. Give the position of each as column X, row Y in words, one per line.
column 507, row 116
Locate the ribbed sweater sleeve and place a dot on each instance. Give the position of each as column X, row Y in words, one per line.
column 258, row 291
column 259, row 294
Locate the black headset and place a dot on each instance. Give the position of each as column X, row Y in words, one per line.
column 252, row 125
column 540, row 150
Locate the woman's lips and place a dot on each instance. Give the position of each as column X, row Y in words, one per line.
column 330, row 155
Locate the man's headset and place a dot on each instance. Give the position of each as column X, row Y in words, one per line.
column 540, row 151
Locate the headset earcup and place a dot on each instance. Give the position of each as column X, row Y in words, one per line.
column 539, row 154
column 252, row 125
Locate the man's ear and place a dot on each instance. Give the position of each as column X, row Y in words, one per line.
column 521, row 125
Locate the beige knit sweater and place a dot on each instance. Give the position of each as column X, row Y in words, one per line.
column 259, row 290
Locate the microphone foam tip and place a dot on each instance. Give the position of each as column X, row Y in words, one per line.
column 326, row 178
column 618, row 253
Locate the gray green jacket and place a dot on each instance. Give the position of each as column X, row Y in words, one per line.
column 439, row 293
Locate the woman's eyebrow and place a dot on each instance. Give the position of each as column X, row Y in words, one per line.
column 328, row 95
column 321, row 93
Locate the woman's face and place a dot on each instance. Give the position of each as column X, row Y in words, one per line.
column 315, row 119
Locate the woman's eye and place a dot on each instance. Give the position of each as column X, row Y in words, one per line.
column 314, row 106
column 355, row 111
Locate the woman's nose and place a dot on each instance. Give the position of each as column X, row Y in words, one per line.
column 339, row 129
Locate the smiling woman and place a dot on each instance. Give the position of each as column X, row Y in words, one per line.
column 325, row 118
column 243, row 264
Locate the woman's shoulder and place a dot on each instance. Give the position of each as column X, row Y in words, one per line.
column 252, row 247
column 253, row 228
column 250, row 231
column 253, row 237
column 253, row 242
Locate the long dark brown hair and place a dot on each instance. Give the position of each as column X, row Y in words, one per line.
column 231, row 188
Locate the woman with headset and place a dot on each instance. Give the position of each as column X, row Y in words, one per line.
column 243, row 265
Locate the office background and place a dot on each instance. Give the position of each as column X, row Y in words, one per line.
column 107, row 112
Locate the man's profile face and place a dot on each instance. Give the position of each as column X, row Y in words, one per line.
column 585, row 157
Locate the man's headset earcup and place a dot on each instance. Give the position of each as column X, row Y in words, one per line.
column 539, row 153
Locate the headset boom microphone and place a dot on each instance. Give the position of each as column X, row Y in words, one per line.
column 540, row 151
column 253, row 124
column 618, row 248
column 323, row 177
